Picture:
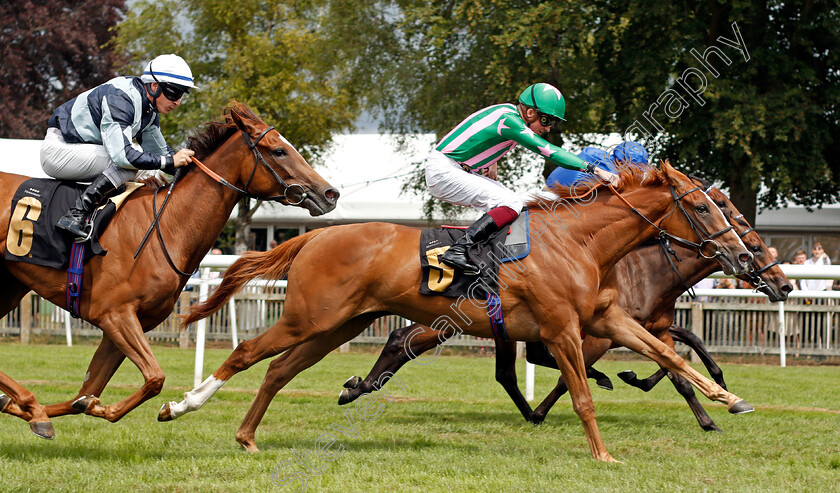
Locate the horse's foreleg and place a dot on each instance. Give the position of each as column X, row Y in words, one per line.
column 566, row 348
column 26, row 406
column 287, row 366
column 404, row 344
column 684, row 388
column 105, row 362
column 619, row 327
column 691, row 340
column 506, row 376
column 126, row 334
column 593, row 349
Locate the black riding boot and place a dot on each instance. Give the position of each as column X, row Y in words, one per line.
column 74, row 220
column 478, row 231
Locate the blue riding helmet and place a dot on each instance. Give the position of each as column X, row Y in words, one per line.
column 568, row 177
column 632, row 152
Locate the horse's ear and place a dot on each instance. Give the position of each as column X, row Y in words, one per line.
column 672, row 176
column 242, row 123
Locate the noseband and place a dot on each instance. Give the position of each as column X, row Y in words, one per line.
column 258, row 159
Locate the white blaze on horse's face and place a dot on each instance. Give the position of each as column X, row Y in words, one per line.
column 287, row 142
column 714, row 204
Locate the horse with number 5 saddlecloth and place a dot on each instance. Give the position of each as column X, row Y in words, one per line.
column 126, row 297
column 343, row 277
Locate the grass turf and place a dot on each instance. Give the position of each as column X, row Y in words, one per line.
column 449, row 427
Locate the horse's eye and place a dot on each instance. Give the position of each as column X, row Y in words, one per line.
column 702, row 208
column 279, row 152
column 721, row 204
column 756, row 248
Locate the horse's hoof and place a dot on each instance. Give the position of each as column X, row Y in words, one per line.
column 43, row 429
column 165, row 413
column 741, row 407
column 352, row 382
column 604, row 383
column 84, row 403
column 248, row 444
column 627, row 376
column 712, row 427
column 344, row 397
column 4, row 401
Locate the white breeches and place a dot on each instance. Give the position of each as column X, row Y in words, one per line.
column 448, row 182
column 79, row 162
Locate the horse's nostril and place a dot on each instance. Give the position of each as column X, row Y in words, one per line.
column 745, row 258
column 332, row 195
column 786, row 288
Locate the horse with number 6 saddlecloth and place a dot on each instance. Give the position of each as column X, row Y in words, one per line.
column 126, row 297
column 343, row 277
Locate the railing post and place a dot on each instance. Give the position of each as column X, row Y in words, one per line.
column 781, row 330
column 200, row 328
column 26, row 318
column 696, row 325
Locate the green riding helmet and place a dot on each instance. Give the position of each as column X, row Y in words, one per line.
column 544, row 98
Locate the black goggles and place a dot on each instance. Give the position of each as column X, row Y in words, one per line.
column 172, row 92
column 547, row 120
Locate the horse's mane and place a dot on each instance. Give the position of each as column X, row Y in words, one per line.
column 207, row 139
column 631, row 177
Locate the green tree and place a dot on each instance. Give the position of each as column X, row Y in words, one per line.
column 768, row 117
column 267, row 54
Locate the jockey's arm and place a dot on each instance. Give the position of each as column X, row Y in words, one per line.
column 115, row 128
column 526, row 137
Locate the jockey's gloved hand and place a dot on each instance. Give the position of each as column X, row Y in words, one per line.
column 606, row 176
column 152, row 178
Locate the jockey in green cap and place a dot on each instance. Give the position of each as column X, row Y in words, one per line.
column 462, row 167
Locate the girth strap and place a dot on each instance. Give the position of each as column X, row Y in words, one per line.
column 497, row 319
column 74, row 278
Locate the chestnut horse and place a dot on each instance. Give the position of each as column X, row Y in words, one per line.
column 649, row 287
column 126, row 297
column 341, row 278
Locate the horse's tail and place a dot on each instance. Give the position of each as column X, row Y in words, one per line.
column 273, row 264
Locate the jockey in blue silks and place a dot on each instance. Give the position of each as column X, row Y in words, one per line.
column 625, row 153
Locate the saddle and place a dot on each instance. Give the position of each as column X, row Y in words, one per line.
column 36, row 206
column 507, row 245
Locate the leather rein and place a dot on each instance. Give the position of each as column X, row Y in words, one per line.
column 215, row 176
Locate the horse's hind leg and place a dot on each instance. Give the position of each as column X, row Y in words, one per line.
column 404, row 344
column 124, row 331
column 283, row 335
column 289, row 364
column 105, row 362
column 28, row 407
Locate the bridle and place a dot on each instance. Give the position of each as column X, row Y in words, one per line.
column 754, row 275
column 667, row 237
column 259, row 159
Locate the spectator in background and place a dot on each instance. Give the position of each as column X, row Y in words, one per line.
column 818, row 257
column 774, row 254
column 799, row 258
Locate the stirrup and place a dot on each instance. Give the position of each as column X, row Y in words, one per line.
column 88, row 229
